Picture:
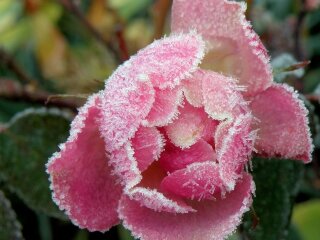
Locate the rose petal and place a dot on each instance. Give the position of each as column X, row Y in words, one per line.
column 169, row 60
column 213, row 219
column 197, row 181
column 80, row 176
column 222, row 99
column 147, row 144
column 165, row 107
column 176, row 158
column 234, row 45
column 282, row 124
column 188, row 128
column 192, row 88
column 234, row 145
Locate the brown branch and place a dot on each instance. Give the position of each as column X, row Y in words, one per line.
column 71, row 7
column 160, row 11
column 312, row 97
column 12, row 90
column 9, row 62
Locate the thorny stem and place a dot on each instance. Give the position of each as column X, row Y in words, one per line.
column 12, row 90
column 71, row 7
column 160, row 11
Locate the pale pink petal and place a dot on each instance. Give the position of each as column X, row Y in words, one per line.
column 233, row 46
column 165, row 107
column 234, row 144
column 147, row 144
column 127, row 100
column 192, row 88
column 157, row 201
column 80, row 176
column 222, row 99
column 188, row 128
column 197, row 181
column 213, row 219
column 176, row 158
column 169, row 60
column 282, row 124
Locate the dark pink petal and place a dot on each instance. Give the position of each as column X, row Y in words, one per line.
column 233, row 46
column 282, row 124
column 169, row 60
column 80, row 176
column 197, row 181
column 234, row 144
column 176, row 158
column 147, row 144
column 213, row 219
column 188, row 128
column 192, row 88
column 222, row 99
column 165, row 107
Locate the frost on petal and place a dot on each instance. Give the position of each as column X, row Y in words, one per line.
column 282, row 124
column 127, row 100
column 213, row 219
column 165, row 107
column 188, row 128
column 192, row 88
column 80, row 176
column 169, row 60
column 147, row 144
column 222, row 99
column 234, row 144
column 233, row 46
column 175, row 158
column 125, row 166
column 197, row 181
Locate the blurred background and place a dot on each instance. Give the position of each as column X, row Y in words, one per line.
column 54, row 53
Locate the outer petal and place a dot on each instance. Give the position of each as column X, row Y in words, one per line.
column 231, row 40
column 282, row 124
column 213, row 219
column 80, row 176
column 222, row 99
column 197, row 181
column 234, row 144
column 147, row 144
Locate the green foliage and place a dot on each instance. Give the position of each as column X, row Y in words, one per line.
column 10, row 228
column 306, row 219
column 26, row 144
column 277, row 183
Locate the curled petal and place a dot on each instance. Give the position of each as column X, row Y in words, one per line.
column 197, row 181
column 165, row 107
column 234, row 144
column 192, row 88
column 282, row 124
column 169, row 60
column 147, row 144
column 80, row 176
column 233, row 46
column 213, row 219
column 222, row 99
column 176, row 158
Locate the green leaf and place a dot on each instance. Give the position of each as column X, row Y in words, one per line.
column 306, row 219
column 26, row 143
column 277, row 183
column 10, row 228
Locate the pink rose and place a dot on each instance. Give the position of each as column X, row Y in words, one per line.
column 163, row 147
column 312, row 4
